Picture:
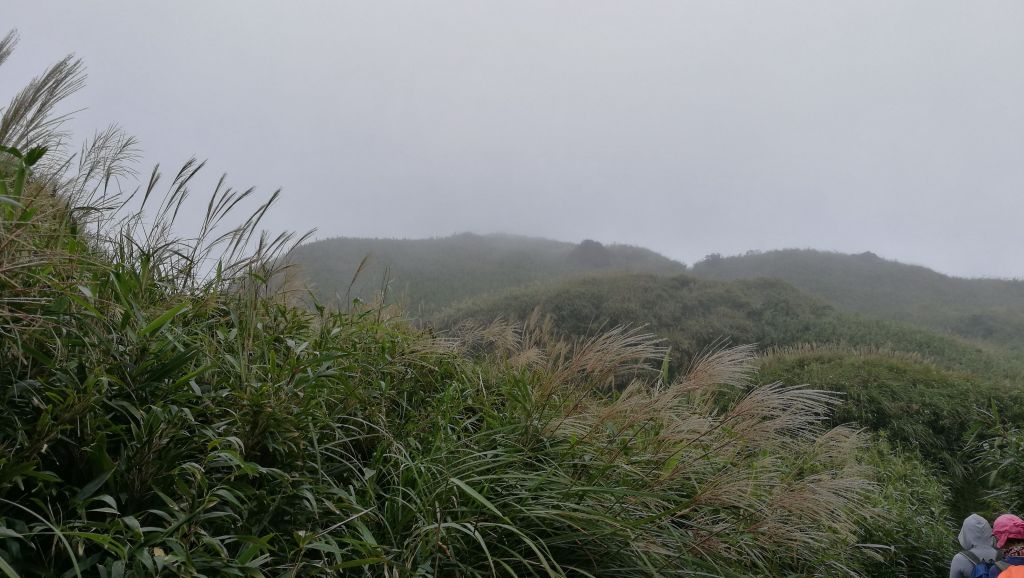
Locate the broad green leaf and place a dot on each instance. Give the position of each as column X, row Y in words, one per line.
column 90, row 488
column 162, row 320
column 476, row 496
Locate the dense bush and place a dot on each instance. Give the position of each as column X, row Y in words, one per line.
column 918, row 531
column 987, row 310
column 917, row 404
column 921, row 408
column 999, row 457
column 928, row 395
column 692, row 314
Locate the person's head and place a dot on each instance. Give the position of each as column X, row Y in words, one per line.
column 1008, row 530
column 976, row 532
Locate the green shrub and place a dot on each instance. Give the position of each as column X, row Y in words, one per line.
column 919, row 407
column 917, row 527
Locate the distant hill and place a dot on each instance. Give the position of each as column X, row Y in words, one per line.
column 990, row 310
column 428, row 274
column 692, row 313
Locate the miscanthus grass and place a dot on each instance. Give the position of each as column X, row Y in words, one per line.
column 167, row 410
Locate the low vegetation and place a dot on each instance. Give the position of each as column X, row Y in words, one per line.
column 172, row 406
column 692, row 314
column 159, row 421
column 925, row 410
column 930, row 397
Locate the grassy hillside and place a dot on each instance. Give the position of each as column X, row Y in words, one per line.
column 160, row 417
column 428, row 274
column 926, row 393
column 692, row 314
column 161, row 421
column 989, row 310
column 921, row 407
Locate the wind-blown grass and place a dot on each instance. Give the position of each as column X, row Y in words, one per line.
column 166, row 412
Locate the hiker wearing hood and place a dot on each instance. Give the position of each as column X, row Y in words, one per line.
column 1009, row 533
column 976, row 540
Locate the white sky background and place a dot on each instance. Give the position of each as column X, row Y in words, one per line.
column 895, row 126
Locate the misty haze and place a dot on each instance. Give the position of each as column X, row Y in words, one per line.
column 409, row 289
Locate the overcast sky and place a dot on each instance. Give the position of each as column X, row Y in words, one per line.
column 895, row 126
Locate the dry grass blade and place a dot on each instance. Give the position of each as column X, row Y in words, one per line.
column 720, row 365
column 7, row 45
column 29, row 120
column 107, row 159
column 601, row 357
column 774, row 411
column 810, row 349
column 355, row 277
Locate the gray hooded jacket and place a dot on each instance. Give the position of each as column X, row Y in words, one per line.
column 976, row 536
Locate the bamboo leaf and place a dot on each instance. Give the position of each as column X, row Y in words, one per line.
column 478, row 497
column 162, row 320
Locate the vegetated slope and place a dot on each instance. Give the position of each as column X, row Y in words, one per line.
column 427, row 274
column 920, row 406
column 692, row 314
column 991, row 310
column 162, row 419
column 156, row 421
column 926, row 393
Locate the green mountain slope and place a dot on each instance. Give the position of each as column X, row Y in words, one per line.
column 426, row 274
column 924, row 391
column 692, row 314
column 991, row 310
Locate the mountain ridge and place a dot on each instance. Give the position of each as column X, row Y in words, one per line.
column 429, row 274
column 986, row 309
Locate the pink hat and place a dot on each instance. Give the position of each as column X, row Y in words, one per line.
column 1007, row 527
